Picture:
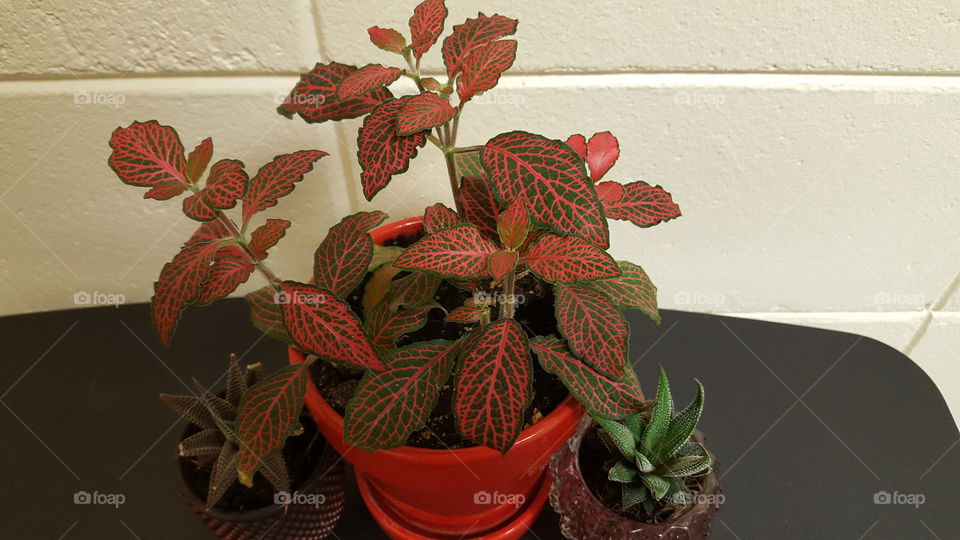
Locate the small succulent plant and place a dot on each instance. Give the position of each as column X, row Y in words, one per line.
column 654, row 452
column 216, row 444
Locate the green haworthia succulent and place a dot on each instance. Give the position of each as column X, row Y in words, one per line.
column 655, row 453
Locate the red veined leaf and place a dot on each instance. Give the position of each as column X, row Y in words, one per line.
column 366, row 79
column 494, row 385
column 439, row 217
column 603, row 150
column 422, row 112
column 314, row 97
column 601, row 395
column 469, row 164
column 471, row 35
column 387, row 39
column 383, row 255
column 225, row 186
column 631, row 290
column 179, row 285
column 148, row 154
column 610, row 192
column 568, row 259
column 381, row 151
column 265, row 314
column 502, row 262
column 426, row 25
column 643, row 205
column 465, row 314
column 593, row 327
column 390, row 405
column 208, row 232
column 579, row 144
column 343, row 257
column 268, row 413
column 321, row 324
column 230, row 269
column 277, row 179
column 435, row 86
column 266, row 236
column 459, row 251
column 386, row 325
column 482, row 69
column 552, row 178
column 480, row 208
column 165, row 190
column 513, row 225
column 198, row 159
column 417, row 289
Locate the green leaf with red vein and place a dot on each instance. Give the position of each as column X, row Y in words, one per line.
column 179, row 285
column 603, row 150
column 579, row 144
column 383, row 255
column 416, row 289
column 494, row 385
column 502, row 262
column 552, row 178
column 366, row 79
column 470, row 36
column 466, row 314
column 436, row 86
column 381, row 151
column 469, row 164
column 266, row 236
column 482, row 69
column 568, row 259
column 631, row 290
column 513, row 225
column 422, row 112
column 268, row 413
column 387, row 39
column 426, row 25
column 594, row 328
column 390, row 405
column 386, row 325
column 315, row 99
column 610, row 192
column 265, row 314
column 277, row 179
column 438, row 217
column 225, row 186
column 208, row 232
column 148, row 154
column 321, row 324
column 343, row 257
column 601, row 395
column 198, row 159
column 230, row 269
column 643, row 205
column 479, row 206
column 459, row 252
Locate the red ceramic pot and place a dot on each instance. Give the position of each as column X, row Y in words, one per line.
column 471, row 492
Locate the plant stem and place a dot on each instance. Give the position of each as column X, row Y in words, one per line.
column 509, row 304
column 259, row 264
column 485, row 317
column 454, row 182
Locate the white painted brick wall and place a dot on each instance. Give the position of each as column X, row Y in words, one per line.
column 813, row 147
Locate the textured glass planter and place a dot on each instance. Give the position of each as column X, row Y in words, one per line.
column 584, row 517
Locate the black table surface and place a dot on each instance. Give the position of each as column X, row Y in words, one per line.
column 811, row 427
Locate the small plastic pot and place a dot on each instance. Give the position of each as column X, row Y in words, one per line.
column 584, row 517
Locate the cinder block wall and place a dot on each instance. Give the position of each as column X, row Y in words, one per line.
column 814, row 148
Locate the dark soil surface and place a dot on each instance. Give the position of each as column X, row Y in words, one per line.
column 535, row 314
column 302, row 454
column 595, row 462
